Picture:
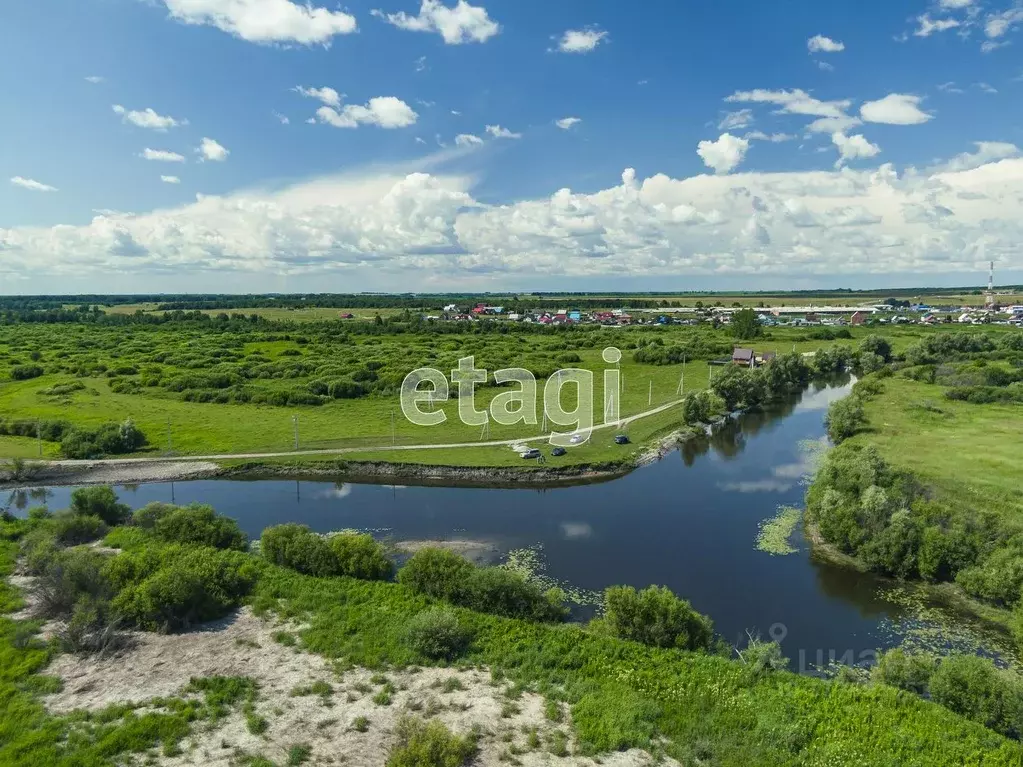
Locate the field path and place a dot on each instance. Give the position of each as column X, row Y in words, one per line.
column 343, row 450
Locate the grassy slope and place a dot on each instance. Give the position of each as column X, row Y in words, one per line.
column 624, row 694
column 968, row 453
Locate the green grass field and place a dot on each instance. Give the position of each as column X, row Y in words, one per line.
column 968, row 453
column 129, row 371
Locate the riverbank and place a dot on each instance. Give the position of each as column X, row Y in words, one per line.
column 341, row 467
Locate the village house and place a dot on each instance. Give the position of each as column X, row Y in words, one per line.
column 744, row 357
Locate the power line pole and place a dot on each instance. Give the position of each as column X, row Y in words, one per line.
column 39, row 437
column 170, row 442
column 392, row 428
column 294, row 420
column 650, row 394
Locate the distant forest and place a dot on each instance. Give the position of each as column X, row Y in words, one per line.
column 436, row 301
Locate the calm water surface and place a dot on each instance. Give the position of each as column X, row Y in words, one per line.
column 688, row 522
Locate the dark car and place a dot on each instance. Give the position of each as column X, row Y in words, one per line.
column 558, row 451
column 621, row 439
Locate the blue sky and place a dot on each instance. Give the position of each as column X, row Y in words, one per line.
column 379, row 193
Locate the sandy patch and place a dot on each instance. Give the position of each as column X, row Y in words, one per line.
column 243, row 645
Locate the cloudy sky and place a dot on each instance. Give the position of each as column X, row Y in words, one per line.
column 271, row 145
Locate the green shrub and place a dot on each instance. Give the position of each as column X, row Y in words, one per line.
column 907, row 671
column 504, row 592
column 430, row 744
column 998, row 578
column 99, row 502
column 201, row 585
column 437, row 634
column 438, row 573
column 134, row 566
column 845, row 417
column 68, row 577
column 656, row 617
column 38, row 549
column 297, row 547
column 151, row 513
column 74, row 529
column 202, row 526
column 972, row 687
column 25, row 372
column 359, row 556
column 444, row 575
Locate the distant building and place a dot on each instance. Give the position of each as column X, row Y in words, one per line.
column 858, row 318
column 743, row 357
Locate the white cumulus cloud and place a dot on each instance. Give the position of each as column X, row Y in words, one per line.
column 822, row 44
column 328, row 96
column 147, row 118
column 581, row 40
column 725, row 154
column 987, row 151
column 895, row 109
column 467, row 139
column 382, row 111
column 32, row 185
column 170, row 179
column 853, row 148
column 463, row 23
column 161, row 155
column 95, row 79
column 416, row 231
column 266, row 21
column 211, row 150
column 565, row 123
column 498, row 132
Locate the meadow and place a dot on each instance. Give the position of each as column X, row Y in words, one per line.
column 232, row 384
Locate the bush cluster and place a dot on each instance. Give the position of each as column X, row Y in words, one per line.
column 868, row 509
column 445, row 575
column 656, row 617
column 352, row 554
column 437, row 634
column 969, row 685
column 108, row 439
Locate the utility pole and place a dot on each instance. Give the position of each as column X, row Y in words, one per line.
column 39, row 437
column 170, row 443
column 392, row 428
column 650, row 394
column 294, row 420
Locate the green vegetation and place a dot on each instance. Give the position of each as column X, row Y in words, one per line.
column 192, row 383
column 969, row 685
column 927, row 486
column 429, row 744
column 775, row 532
column 656, row 617
column 436, row 634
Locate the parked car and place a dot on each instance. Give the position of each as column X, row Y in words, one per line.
column 531, row 453
column 558, row 451
column 621, row 439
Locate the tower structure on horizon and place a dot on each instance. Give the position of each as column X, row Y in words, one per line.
column 989, row 297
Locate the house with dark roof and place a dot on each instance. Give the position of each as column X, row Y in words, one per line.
column 743, row 357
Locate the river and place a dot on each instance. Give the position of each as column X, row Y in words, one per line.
column 688, row 522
